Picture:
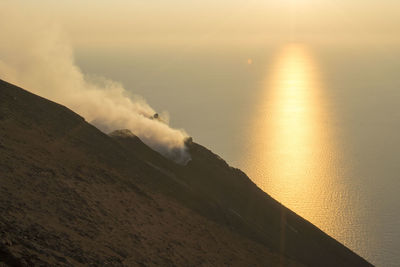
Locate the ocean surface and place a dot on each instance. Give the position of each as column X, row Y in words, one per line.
column 315, row 126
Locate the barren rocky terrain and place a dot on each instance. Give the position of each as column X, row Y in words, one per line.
column 71, row 195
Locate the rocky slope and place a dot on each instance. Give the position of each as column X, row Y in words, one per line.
column 71, row 195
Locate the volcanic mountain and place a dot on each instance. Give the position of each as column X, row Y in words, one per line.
column 71, row 195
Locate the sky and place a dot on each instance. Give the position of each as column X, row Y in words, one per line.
column 126, row 22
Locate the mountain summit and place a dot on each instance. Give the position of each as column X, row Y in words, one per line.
column 71, row 195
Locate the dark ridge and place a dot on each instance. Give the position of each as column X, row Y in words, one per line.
column 72, row 195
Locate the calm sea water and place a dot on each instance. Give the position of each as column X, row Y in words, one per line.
column 315, row 126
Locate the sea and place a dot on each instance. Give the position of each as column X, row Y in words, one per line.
column 316, row 126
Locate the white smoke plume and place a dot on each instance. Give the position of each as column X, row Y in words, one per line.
column 40, row 59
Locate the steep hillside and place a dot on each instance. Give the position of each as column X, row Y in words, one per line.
column 71, row 195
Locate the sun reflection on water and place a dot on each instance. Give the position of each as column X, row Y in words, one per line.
column 294, row 153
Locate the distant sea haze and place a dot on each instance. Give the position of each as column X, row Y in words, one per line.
column 315, row 126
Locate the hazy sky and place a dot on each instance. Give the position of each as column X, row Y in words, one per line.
column 127, row 22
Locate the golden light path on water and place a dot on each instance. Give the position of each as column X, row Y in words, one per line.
column 294, row 155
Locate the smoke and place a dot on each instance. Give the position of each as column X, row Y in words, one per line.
column 38, row 57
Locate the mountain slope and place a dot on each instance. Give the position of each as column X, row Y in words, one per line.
column 71, row 195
